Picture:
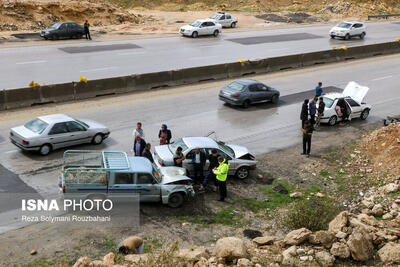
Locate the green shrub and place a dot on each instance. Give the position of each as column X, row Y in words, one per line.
column 313, row 214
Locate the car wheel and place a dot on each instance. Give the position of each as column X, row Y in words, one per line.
column 275, row 99
column 332, row 37
column 175, row 200
column 46, row 38
column 45, row 149
column 195, row 34
column 216, row 32
column 364, row 114
column 233, row 24
column 362, row 35
column 332, row 120
column 246, row 103
column 242, row 173
column 347, row 37
column 97, row 139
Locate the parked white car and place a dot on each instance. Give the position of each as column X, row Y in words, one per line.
column 47, row 133
column 225, row 19
column 348, row 29
column 350, row 99
column 201, row 27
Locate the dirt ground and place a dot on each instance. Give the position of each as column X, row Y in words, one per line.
column 204, row 220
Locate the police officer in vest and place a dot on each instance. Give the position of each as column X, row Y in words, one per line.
column 221, row 173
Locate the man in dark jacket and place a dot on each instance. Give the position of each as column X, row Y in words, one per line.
column 86, row 29
column 304, row 112
column 178, row 157
column 321, row 109
column 313, row 110
column 307, row 134
column 198, row 162
column 138, row 146
column 213, row 160
column 147, row 153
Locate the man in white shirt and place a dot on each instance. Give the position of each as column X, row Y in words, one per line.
column 138, row 131
column 198, row 161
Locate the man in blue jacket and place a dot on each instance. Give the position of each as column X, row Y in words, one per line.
column 313, row 110
column 318, row 90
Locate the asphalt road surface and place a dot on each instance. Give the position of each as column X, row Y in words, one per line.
column 194, row 111
column 65, row 61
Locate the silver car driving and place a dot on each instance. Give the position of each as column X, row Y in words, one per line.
column 47, row 133
column 240, row 159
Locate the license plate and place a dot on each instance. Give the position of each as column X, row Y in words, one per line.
column 227, row 94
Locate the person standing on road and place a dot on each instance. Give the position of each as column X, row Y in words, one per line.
column 221, row 173
column 213, row 163
column 313, row 110
column 198, row 162
column 178, row 157
column 147, row 153
column 164, row 135
column 307, row 134
column 318, row 90
column 304, row 112
column 321, row 109
column 138, row 146
column 86, row 29
column 132, row 244
column 138, row 131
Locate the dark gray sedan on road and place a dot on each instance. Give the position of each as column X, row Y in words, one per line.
column 63, row 30
column 246, row 92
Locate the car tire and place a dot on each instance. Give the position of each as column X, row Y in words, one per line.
column 332, row 120
column 195, row 34
column 347, row 37
column 364, row 114
column 233, row 25
column 46, row 38
column 97, row 139
column 175, row 200
column 242, row 173
column 246, row 103
column 332, row 36
column 362, row 35
column 45, row 149
column 275, row 99
column 216, row 32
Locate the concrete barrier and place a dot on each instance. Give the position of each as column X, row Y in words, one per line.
column 25, row 97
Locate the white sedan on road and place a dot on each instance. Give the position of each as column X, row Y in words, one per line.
column 350, row 101
column 201, row 27
column 348, row 29
column 225, row 19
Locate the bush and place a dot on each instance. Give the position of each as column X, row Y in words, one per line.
column 313, row 214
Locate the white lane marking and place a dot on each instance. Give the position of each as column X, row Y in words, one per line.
column 382, row 78
column 131, row 53
column 31, row 62
column 11, row 151
column 208, row 46
column 99, row 69
column 196, row 58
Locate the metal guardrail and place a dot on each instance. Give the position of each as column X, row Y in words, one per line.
column 383, row 16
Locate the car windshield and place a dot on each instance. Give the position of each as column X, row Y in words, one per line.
column 236, row 86
column 178, row 143
column 328, row 102
column 36, row 125
column 226, row 149
column 56, row 25
column 195, row 23
column 344, row 25
column 215, row 16
column 84, row 124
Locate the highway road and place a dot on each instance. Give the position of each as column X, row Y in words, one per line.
column 195, row 110
column 65, row 61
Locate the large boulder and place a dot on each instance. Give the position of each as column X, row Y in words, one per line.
column 193, row 254
column 390, row 188
column 390, row 252
column 82, row 262
column 324, row 238
column 297, row 237
column 289, row 256
column 340, row 250
column 137, row 258
column 339, row 222
column 264, row 240
column 230, row 248
column 108, row 259
column 324, row 258
column 360, row 245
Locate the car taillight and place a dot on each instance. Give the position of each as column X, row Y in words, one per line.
column 25, row 142
column 11, row 133
column 63, row 189
column 236, row 95
column 220, row 91
column 161, row 162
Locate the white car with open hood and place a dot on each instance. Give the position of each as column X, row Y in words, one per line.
column 350, row 100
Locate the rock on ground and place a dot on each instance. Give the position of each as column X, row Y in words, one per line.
column 136, row 258
column 264, row 240
column 82, row 262
column 324, row 238
column 108, row 259
column 360, row 245
column 340, row 250
column 324, row 258
column 289, row 256
column 390, row 252
column 297, row 237
column 230, row 248
column 193, row 254
column 339, row 222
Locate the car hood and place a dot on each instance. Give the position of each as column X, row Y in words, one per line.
column 240, row 151
column 173, row 174
column 188, row 28
column 355, row 91
column 337, row 29
column 24, row 132
column 93, row 124
column 164, row 153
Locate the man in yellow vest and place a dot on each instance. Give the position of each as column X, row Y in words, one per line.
column 221, row 174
